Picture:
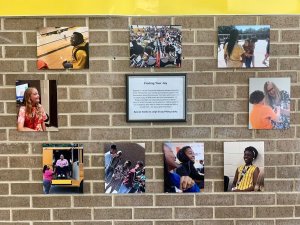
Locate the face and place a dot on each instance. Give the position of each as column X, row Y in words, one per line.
column 113, row 151
column 248, row 157
column 73, row 40
column 190, row 154
column 61, row 157
column 271, row 90
column 34, row 97
column 246, row 43
column 170, row 158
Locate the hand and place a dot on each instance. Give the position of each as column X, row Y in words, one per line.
column 67, row 64
column 186, row 182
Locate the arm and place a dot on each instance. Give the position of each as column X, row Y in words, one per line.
column 81, row 59
column 235, row 179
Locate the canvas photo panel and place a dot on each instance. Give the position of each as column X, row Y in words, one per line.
column 63, row 170
column 269, row 103
column 244, row 166
column 244, row 46
column 63, row 48
column 36, row 105
column 183, row 167
column 124, row 168
column 155, row 46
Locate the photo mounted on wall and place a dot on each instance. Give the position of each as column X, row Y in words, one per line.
column 36, row 105
column 63, row 168
column 63, row 48
column 155, row 46
column 269, row 103
column 245, row 46
column 244, row 166
column 124, row 168
column 183, row 167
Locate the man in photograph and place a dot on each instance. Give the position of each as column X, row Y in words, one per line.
column 80, row 53
column 108, row 156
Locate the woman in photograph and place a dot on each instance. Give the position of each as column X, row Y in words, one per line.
column 246, row 175
column 47, row 178
column 32, row 115
column 276, row 98
column 173, row 181
column 248, row 53
column 233, row 51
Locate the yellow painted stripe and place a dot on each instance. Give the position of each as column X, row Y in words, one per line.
column 146, row 7
column 61, row 182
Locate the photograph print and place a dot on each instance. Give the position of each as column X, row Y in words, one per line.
column 155, row 46
column 269, row 103
column 36, row 105
column 124, row 168
column 63, row 168
column 245, row 46
column 243, row 166
column 183, row 167
column 63, row 48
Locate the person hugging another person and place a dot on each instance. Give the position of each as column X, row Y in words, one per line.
column 186, row 156
column 246, row 175
column 278, row 99
column 233, row 51
column 262, row 115
column 31, row 115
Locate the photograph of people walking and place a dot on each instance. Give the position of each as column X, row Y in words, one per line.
column 246, row 46
column 124, row 168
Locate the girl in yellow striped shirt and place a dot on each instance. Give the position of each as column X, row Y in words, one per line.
column 246, row 175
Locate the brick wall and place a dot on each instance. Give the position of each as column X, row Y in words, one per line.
column 92, row 111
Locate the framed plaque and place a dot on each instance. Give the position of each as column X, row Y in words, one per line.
column 156, row 98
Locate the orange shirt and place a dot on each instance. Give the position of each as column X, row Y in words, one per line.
column 261, row 116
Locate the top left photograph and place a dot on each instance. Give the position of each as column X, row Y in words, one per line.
column 63, row 48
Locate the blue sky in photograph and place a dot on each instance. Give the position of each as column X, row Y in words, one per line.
column 255, row 27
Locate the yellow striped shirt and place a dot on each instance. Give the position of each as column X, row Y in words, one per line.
column 247, row 180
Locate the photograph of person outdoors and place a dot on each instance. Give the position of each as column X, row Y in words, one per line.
column 32, row 115
column 269, row 103
column 243, row 46
column 155, row 46
column 124, row 168
column 63, row 48
column 183, row 167
column 243, row 166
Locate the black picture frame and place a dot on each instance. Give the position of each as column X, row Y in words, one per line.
column 156, row 98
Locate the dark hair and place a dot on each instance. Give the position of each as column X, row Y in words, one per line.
column 256, row 97
column 128, row 162
column 79, row 37
column 113, row 147
column 234, row 34
column 140, row 163
column 45, row 168
column 181, row 156
column 252, row 150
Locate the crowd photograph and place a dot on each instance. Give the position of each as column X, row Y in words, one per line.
column 63, row 48
column 183, row 167
column 269, row 103
column 155, row 46
column 124, row 166
column 243, row 166
column 246, row 46
column 36, row 102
